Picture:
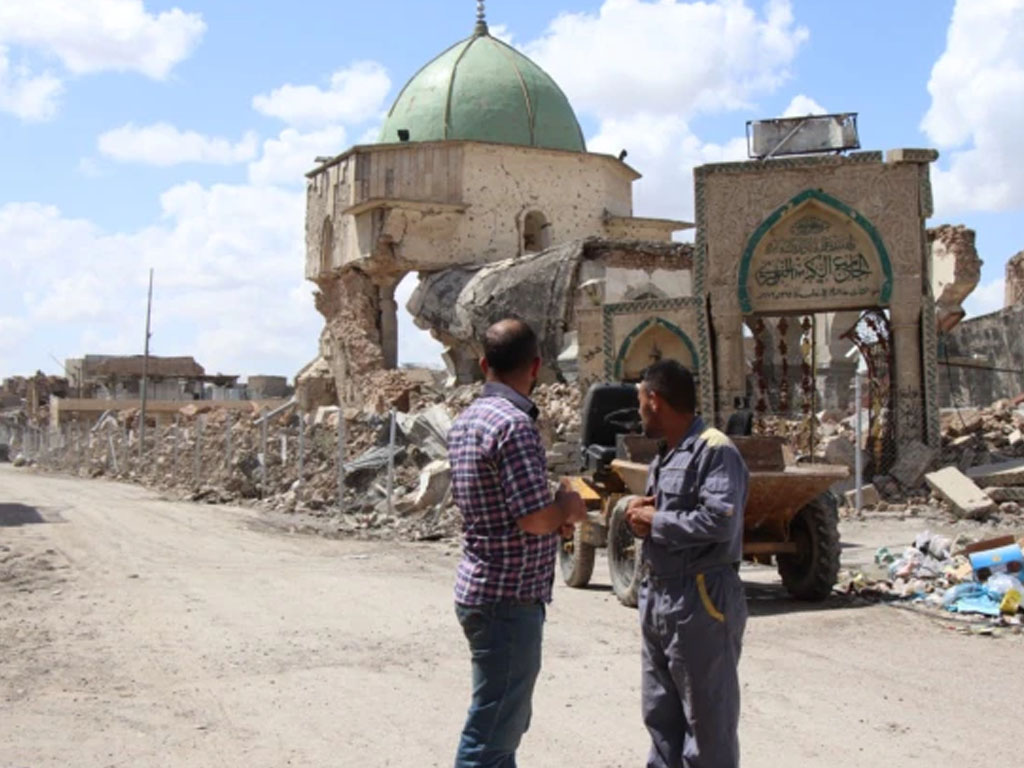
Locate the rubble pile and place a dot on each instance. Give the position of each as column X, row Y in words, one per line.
column 215, row 456
column 983, row 445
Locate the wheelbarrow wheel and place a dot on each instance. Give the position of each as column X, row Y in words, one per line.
column 623, row 555
column 811, row 573
column 576, row 559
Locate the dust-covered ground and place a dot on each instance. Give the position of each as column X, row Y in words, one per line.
column 136, row 631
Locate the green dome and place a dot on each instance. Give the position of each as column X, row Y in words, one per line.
column 481, row 89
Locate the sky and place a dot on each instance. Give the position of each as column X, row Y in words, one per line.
column 138, row 134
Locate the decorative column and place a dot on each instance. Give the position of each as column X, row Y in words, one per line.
column 905, row 313
column 731, row 364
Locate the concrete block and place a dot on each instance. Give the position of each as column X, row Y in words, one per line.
column 842, row 452
column 869, row 496
column 1003, row 474
column 967, row 499
column 435, row 480
column 914, row 460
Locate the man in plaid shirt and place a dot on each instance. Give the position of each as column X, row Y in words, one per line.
column 510, row 543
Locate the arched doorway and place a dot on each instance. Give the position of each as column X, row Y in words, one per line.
column 653, row 340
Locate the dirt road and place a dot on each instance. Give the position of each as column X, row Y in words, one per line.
column 142, row 632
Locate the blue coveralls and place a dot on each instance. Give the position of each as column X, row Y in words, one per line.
column 692, row 606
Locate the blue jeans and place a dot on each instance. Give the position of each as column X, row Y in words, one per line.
column 504, row 643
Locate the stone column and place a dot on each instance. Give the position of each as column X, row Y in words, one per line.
column 388, row 324
column 731, row 367
column 905, row 312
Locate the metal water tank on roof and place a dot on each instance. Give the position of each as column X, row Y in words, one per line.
column 812, row 134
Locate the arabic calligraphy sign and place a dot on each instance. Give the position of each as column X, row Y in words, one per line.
column 813, row 259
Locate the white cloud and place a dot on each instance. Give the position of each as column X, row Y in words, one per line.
column 162, row 144
column 802, row 105
column 27, row 96
column 666, row 151
column 286, row 159
column 652, row 67
column 86, row 36
column 355, row 94
column 669, row 57
column 102, row 35
column 987, row 297
column 229, row 285
column 977, row 90
column 12, row 331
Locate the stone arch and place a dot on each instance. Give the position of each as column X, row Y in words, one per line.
column 536, row 232
column 792, row 209
column 327, row 247
column 654, row 334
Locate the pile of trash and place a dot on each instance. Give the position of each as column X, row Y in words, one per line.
column 978, row 579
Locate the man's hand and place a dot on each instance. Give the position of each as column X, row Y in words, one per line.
column 640, row 515
column 572, row 506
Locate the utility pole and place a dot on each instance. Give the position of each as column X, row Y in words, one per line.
column 145, row 370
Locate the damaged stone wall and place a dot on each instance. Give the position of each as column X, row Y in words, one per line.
column 350, row 342
column 982, row 359
column 955, row 271
column 377, row 213
column 1014, row 281
column 432, row 206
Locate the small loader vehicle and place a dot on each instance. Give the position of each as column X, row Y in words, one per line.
column 791, row 518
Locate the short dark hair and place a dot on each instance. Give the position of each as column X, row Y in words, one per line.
column 510, row 346
column 674, row 384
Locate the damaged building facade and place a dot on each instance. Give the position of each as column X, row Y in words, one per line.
column 481, row 184
column 481, row 160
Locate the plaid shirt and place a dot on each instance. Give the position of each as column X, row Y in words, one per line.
column 499, row 475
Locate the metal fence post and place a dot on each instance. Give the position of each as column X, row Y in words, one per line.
column 175, row 449
column 341, row 457
column 391, row 465
column 199, row 451
column 302, row 447
column 263, row 453
column 858, row 455
column 227, row 440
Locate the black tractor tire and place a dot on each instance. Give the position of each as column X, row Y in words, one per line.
column 623, row 555
column 811, row 573
column 576, row 559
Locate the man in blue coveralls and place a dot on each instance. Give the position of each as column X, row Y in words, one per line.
column 692, row 607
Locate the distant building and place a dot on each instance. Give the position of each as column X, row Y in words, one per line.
column 109, row 377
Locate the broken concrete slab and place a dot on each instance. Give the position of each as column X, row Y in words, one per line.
column 868, row 493
column 1002, row 495
column 428, row 429
column 1002, row 474
column 839, row 450
column 435, row 480
column 966, row 498
column 915, row 459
